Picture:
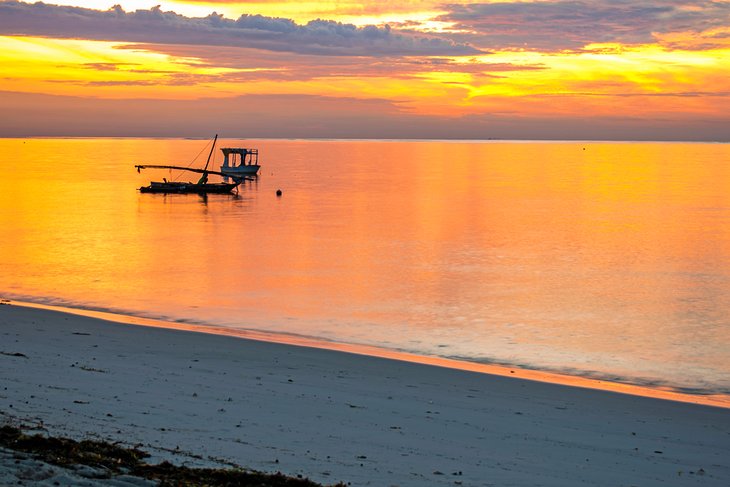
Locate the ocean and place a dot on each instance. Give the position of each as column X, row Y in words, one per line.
column 595, row 259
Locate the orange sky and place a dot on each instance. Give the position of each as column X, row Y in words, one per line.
column 549, row 69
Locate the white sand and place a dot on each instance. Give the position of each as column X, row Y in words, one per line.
column 201, row 399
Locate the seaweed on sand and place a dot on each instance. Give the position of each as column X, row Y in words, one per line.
column 118, row 460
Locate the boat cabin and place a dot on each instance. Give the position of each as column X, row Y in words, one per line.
column 235, row 157
column 240, row 162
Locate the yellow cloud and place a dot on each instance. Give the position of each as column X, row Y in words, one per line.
column 94, row 68
column 602, row 80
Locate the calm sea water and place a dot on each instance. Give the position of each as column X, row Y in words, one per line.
column 607, row 260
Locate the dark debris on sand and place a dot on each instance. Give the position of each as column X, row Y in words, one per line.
column 117, row 460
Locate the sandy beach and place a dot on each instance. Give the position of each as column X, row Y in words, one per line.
column 205, row 400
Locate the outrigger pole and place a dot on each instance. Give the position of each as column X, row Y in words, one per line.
column 192, row 169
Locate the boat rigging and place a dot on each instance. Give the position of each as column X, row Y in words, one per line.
column 201, row 187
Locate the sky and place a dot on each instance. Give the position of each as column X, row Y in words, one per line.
column 565, row 69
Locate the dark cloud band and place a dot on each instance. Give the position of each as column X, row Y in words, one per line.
column 572, row 24
column 319, row 37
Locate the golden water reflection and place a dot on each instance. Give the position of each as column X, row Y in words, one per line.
column 605, row 259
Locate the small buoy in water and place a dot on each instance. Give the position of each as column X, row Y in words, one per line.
column 278, row 192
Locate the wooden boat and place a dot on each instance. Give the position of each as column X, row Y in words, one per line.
column 201, row 187
column 240, row 161
column 177, row 187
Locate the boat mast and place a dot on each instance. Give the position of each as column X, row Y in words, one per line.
column 204, row 177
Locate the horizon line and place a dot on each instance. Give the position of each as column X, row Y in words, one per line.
column 380, row 139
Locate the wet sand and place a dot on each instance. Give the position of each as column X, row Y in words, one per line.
column 200, row 399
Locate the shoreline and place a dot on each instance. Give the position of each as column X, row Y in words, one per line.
column 716, row 400
column 208, row 400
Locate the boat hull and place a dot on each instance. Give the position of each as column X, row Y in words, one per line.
column 186, row 188
column 237, row 171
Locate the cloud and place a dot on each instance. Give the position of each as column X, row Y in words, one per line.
column 107, row 66
column 318, row 37
column 573, row 24
column 252, row 64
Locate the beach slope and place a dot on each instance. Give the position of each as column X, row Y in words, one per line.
column 207, row 400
